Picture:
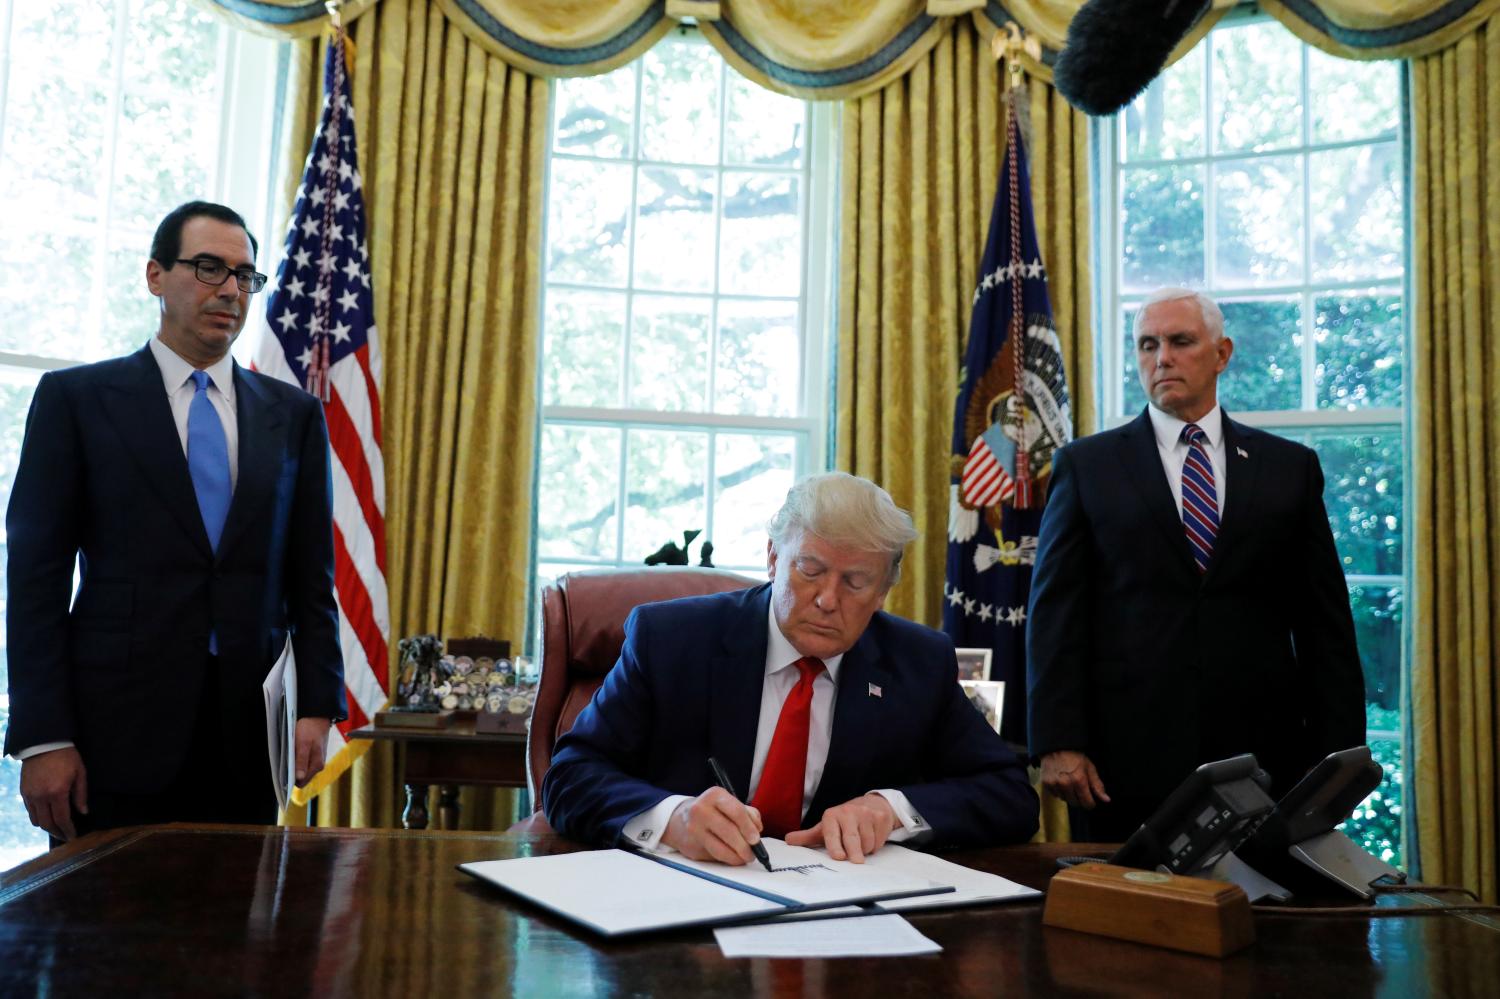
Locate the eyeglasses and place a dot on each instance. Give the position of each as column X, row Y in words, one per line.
column 216, row 272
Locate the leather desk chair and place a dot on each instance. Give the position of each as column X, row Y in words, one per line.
column 583, row 628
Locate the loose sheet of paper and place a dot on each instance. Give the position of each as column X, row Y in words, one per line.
column 861, row 936
column 280, row 690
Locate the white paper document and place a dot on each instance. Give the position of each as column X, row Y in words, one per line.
column 970, row 887
column 622, row 891
column 618, row 891
column 280, row 689
column 873, row 936
column 811, row 877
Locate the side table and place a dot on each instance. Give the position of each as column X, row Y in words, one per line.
column 450, row 757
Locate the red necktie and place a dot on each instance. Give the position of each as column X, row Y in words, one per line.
column 779, row 796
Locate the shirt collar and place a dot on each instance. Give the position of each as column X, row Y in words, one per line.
column 175, row 371
column 1168, row 428
column 781, row 654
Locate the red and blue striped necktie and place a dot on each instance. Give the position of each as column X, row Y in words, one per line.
column 1200, row 498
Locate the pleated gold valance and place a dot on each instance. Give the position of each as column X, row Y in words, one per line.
column 831, row 50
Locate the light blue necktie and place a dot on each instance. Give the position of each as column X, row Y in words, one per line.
column 208, row 464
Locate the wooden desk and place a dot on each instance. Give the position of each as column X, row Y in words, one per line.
column 450, row 757
column 204, row 911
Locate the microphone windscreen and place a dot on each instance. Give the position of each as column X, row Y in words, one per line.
column 1115, row 48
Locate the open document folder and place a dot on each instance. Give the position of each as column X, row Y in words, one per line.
column 615, row 892
column 280, row 689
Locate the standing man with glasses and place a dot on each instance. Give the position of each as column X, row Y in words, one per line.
column 195, row 499
column 1187, row 604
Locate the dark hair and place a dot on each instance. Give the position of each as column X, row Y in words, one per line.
column 166, row 245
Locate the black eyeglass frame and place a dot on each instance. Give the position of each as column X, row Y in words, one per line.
column 255, row 278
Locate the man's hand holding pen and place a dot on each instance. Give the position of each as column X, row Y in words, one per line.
column 714, row 826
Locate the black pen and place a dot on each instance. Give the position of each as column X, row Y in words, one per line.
column 758, row 848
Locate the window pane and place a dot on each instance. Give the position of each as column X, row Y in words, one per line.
column 588, row 222
column 1360, row 337
column 166, row 151
column 576, row 491
column 1265, row 371
column 680, row 103
column 1356, row 210
column 19, row 839
column 763, row 128
column 752, row 473
column 1362, row 491
column 1166, row 121
column 669, row 353
column 674, row 247
column 1376, row 822
column 596, row 114
column 761, row 235
column 1162, row 227
column 1377, row 629
column 32, row 258
column 133, row 313
column 1130, row 378
column 584, row 344
column 760, row 359
column 666, row 490
column 1258, row 222
column 1257, row 88
column 1352, row 99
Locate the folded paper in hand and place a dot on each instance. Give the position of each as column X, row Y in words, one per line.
column 280, row 690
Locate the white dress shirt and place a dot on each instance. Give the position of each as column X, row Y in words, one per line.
column 1173, row 450
column 177, row 379
column 645, row 830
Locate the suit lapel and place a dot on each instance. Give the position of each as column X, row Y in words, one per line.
column 262, row 433
column 137, row 405
column 736, row 678
column 1142, row 461
column 857, row 718
column 1241, row 471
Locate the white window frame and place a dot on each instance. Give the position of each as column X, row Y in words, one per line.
column 819, row 217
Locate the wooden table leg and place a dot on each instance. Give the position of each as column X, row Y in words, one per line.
column 415, row 816
column 448, row 806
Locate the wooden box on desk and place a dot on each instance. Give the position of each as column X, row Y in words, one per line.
column 1163, row 910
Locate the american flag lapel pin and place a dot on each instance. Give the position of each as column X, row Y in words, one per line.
column 874, row 690
column 1242, row 452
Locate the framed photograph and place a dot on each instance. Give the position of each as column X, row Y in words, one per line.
column 974, row 664
column 988, row 697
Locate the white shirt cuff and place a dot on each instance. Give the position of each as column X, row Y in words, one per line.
column 40, row 748
column 644, row 831
column 912, row 824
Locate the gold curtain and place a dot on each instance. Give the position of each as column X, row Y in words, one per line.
column 1455, row 669
column 451, row 144
column 920, row 163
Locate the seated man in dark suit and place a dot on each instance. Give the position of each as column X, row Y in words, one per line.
column 844, row 725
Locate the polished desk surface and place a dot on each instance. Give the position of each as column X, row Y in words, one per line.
column 224, row 910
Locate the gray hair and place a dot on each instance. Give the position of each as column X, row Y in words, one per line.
column 1208, row 309
column 847, row 510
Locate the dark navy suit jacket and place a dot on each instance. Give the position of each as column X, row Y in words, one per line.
column 102, row 476
column 688, row 686
column 1152, row 669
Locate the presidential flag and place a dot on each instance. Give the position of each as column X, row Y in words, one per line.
column 1011, row 414
column 321, row 335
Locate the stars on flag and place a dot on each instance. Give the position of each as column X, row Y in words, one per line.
column 1015, row 269
column 972, row 607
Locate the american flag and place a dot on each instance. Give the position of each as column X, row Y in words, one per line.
column 1012, row 412
column 321, row 335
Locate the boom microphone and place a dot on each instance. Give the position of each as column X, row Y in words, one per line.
column 1115, row 48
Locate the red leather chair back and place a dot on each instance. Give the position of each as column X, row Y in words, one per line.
column 583, row 627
